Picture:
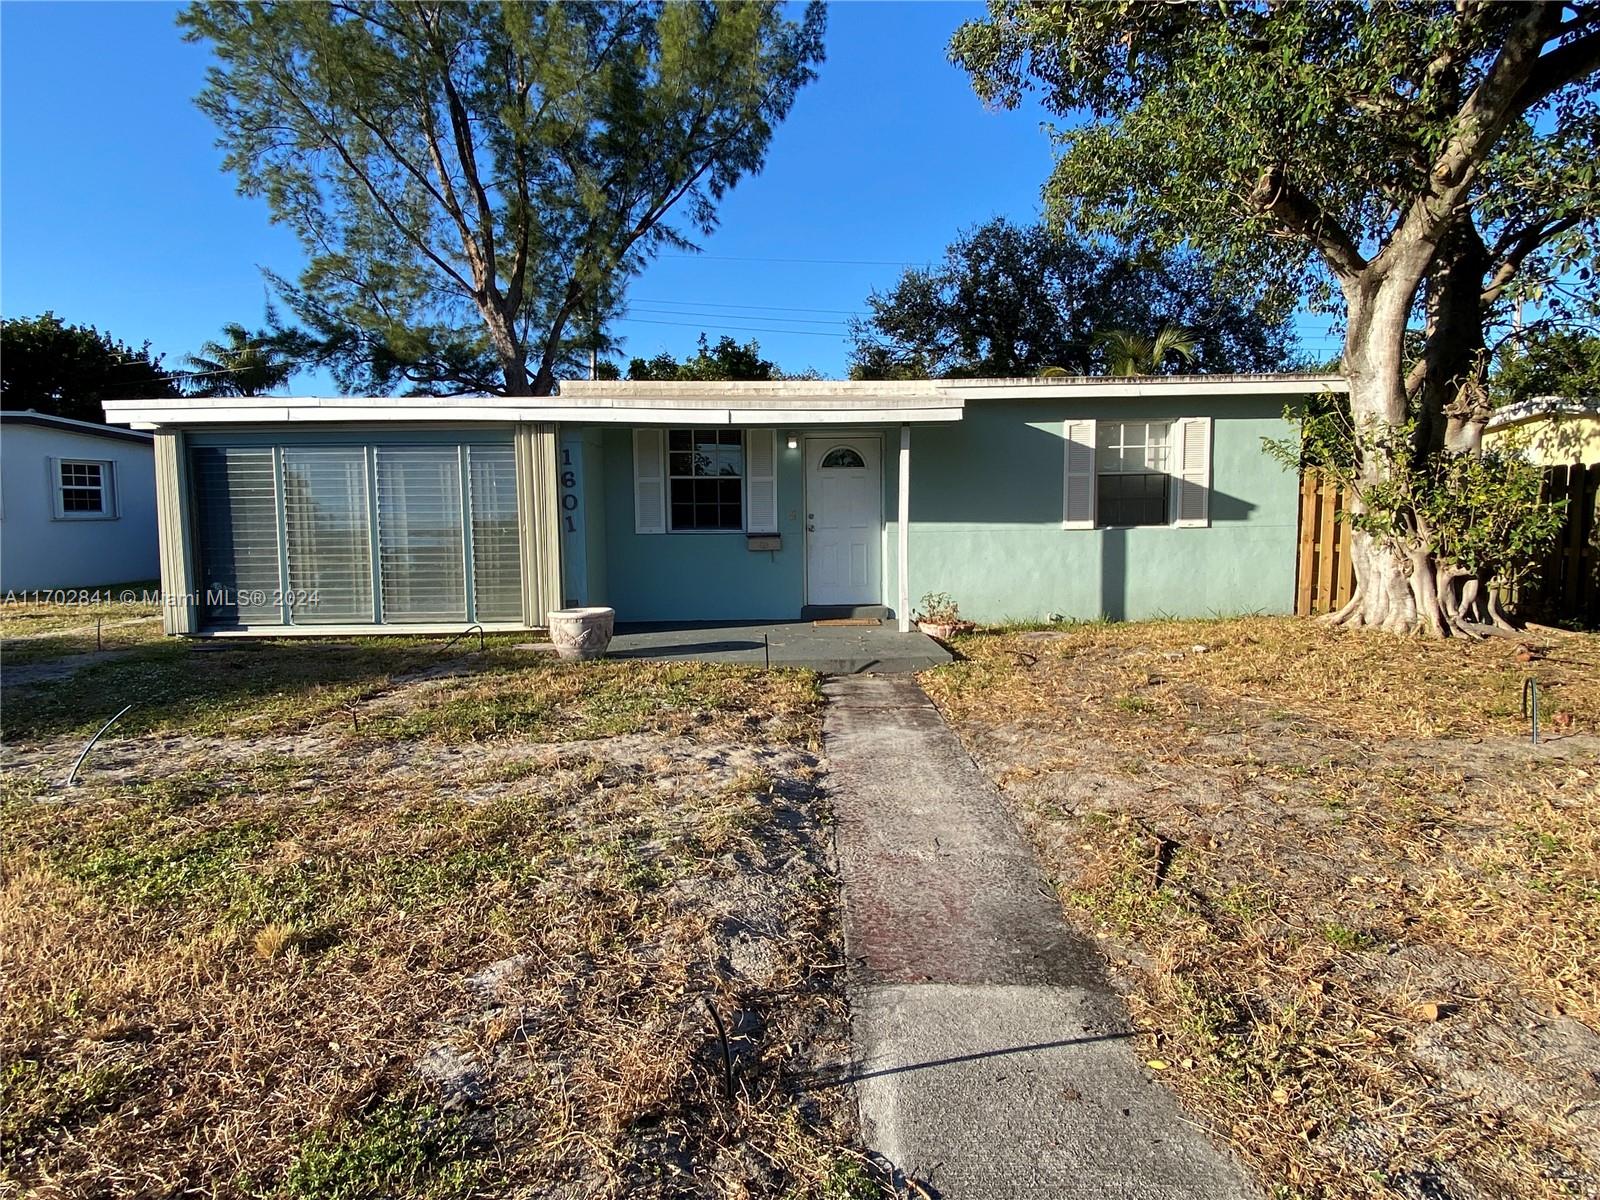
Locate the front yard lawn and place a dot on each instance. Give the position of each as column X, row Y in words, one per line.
column 1356, row 913
column 38, row 628
column 381, row 920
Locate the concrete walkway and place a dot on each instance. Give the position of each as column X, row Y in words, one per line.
column 994, row 1060
column 829, row 649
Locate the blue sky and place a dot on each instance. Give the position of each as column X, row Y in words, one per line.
column 114, row 210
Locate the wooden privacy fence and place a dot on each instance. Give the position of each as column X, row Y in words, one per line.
column 1564, row 587
column 1325, row 577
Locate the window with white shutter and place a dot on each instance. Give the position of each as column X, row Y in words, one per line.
column 1077, row 489
column 1191, row 470
column 649, row 483
column 761, row 466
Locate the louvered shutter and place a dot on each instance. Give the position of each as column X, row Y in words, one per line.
column 1191, row 501
column 761, row 467
column 421, row 555
column 649, row 483
column 236, row 533
column 329, row 546
column 1078, row 476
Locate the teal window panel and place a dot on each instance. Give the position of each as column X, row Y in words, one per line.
column 421, row 543
column 496, row 548
column 236, row 536
column 327, row 535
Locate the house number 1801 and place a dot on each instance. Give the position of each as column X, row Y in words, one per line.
column 569, row 491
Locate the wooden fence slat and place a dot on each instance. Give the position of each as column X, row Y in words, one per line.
column 1305, row 565
column 1563, row 587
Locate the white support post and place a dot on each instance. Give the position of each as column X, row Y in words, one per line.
column 902, row 562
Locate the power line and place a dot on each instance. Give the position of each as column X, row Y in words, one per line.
column 849, row 312
column 677, row 312
column 825, row 262
column 701, row 325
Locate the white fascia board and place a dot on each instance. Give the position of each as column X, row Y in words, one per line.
column 155, row 415
column 844, row 416
column 1151, row 389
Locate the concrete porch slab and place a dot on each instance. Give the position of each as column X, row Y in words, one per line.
column 857, row 650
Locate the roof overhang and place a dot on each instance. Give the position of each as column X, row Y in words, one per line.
column 707, row 405
column 1541, row 408
column 794, row 402
column 69, row 425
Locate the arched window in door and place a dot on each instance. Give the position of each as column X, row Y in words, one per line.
column 842, row 457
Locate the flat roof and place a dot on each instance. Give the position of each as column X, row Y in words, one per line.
column 782, row 402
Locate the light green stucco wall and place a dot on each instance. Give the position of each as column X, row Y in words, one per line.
column 698, row 576
column 985, row 527
column 986, row 513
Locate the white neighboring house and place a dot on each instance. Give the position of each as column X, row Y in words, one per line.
column 77, row 504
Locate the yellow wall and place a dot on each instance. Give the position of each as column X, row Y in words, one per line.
column 1568, row 439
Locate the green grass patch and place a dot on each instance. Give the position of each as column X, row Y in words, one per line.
column 39, row 1101
column 397, row 1150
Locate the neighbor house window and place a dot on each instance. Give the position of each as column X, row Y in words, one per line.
column 83, row 488
column 705, row 476
column 1132, row 480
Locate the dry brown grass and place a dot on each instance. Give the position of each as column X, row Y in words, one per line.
column 1356, row 914
column 455, row 935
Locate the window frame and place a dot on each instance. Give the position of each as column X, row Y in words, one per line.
column 670, row 478
column 108, row 510
column 1170, row 479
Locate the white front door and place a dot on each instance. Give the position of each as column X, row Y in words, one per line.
column 844, row 520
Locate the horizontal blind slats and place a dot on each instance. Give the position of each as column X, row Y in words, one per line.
column 419, row 534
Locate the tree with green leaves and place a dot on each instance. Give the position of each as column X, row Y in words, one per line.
column 1013, row 300
column 1129, row 353
column 475, row 183
column 1552, row 362
column 1386, row 160
column 67, row 370
column 243, row 364
column 727, row 360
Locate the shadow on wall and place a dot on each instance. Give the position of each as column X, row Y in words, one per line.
column 1115, row 551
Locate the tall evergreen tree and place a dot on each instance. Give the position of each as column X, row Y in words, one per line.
column 474, row 183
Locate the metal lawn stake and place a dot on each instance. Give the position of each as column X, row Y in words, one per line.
column 1530, row 704
column 72, row 777
column 462, row 634
column 727, row 1051
column 766, row 649
column 97, row 644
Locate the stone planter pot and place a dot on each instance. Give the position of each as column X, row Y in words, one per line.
column 943, row 631
column 580, row 633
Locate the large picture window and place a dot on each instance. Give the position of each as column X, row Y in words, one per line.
column 388, row 533
column 1132, row 479
column 705, row 479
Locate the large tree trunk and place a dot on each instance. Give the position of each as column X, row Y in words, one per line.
column 1394, row 589
column 1453, row 403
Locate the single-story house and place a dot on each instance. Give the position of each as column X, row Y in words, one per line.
column 77, row 504
column 1548, row 430
column 680, row 502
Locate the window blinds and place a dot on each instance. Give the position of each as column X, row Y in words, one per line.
column 236, row 534
column 421, row 545
column 329, row 534
column 496, row 552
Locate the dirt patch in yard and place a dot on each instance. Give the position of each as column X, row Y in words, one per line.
column 1357, row 915
column 389, row 930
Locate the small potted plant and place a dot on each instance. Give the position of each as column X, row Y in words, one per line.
column 940, row 617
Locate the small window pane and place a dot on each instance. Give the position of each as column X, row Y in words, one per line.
column 420, row 539
column 496, row 550
column 706, row 479
column 82, row 487
column 1133, row 499
column 842, row 457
